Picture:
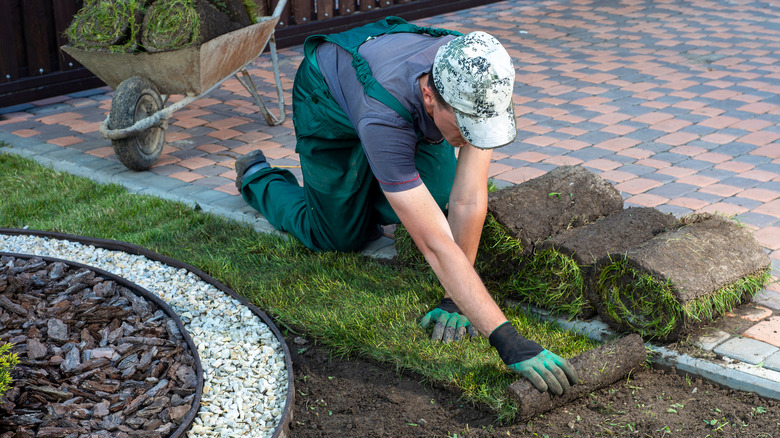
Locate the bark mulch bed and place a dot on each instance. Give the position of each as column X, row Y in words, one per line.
column 95, row 356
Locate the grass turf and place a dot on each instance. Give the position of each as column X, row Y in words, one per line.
column 353, row 305
column 643, row 304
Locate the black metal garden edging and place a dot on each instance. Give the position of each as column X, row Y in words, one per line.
column 282, row 431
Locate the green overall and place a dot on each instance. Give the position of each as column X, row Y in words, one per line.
column 341, row 200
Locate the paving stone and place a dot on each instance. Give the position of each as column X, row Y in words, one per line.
column 768, row 298
column 694, row 164
column 207, row 197
column 16, row 108
column 700, row 130
column 711, row 340
column 588, row 154
column 773, row 362
column 743, row 202
column 637, row 169
column 676, row 210
column 757, row 219
column 767, row 331
column 734, row 149
column 88, row 93
column 769, row 167
column 49, row 109
column 746, row 350
column 737, row 181
column 671, row 190
column 770, row 185
column 755, row 160
column 212, row 182
column 751, row 312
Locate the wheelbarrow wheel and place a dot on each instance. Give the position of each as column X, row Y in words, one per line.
column 135, row 99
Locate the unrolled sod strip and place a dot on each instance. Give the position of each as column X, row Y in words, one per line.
column 560, row 274
column 695, row 272
column 596, row 368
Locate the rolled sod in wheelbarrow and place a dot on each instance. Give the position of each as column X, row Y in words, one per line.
column 565, row 197
column 596, row 368
column 175, row 24
column 561, row 272
column 702, row 268
column 107, row 25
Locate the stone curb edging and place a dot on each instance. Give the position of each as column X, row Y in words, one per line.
column 739, row 376
column 283, row 430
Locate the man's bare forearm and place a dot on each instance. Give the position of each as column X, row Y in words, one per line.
column 461, row 283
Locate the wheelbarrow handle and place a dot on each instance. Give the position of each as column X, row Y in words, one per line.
column 279, row 7
column 144, row 124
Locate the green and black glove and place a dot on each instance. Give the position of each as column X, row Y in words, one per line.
column 544, row 369
column 450, row 323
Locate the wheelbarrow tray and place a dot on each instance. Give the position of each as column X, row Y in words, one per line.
column 191, row 70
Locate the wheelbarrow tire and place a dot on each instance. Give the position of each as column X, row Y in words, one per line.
column 135, row 99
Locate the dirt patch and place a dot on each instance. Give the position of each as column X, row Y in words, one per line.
column 359, row 398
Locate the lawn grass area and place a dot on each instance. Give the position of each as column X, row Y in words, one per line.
column 354, row 305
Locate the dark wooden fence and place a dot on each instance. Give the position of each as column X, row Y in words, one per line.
column 32, row 66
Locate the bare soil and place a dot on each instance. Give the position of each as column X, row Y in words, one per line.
column 360, row 398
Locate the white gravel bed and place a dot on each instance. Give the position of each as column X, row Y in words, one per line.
column 244, row 370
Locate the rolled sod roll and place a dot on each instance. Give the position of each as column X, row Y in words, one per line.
column 596, row 368
column 542, row 207
column 238, row 10
column 175, row 24
column 107, row 25
column 560, row 273
column 693, row 273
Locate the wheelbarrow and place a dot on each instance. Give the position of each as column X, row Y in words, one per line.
column 143, row 82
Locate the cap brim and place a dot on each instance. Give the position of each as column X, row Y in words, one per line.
column 487, row 133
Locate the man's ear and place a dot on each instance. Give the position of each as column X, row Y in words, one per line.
column 428, row 97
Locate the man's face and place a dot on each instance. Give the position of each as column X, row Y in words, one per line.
column 444, row 118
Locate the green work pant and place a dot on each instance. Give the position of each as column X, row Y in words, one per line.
column 340, row 202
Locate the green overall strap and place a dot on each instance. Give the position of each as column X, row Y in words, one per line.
column 351, row 41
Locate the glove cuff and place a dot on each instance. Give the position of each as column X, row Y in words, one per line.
column 449, row 306
column 511, row 347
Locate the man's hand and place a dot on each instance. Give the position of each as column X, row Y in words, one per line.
column 545, row 370
column 449, row 323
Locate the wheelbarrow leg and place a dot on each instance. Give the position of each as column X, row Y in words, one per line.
column 249, row 84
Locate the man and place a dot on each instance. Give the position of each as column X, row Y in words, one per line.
column 378, row 112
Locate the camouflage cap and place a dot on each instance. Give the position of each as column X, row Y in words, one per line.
column 475, row 75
